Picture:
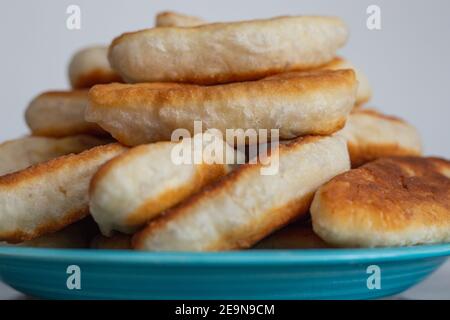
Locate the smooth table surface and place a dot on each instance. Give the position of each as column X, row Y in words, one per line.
column 437, row 286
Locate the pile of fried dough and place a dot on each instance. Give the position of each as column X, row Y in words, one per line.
column 98, row 171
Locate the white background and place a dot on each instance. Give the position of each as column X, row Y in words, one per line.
column 407, row 61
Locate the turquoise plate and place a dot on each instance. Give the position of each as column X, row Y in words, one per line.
column 276, row 274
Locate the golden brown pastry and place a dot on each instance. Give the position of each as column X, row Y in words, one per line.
column 399, row 201
column 21, row 153
column 90, row 66
column 49, row 196
column 135, row 187
column 246, row 206
column 240, row 51
column 311, row 103
column 372, row 135
column 60, row 114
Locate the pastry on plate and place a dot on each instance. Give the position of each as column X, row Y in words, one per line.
column 398, row 201
column 51, row 195
column 246, row 205
column 135, row 187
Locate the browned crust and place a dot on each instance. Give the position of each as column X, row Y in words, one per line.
column 393, row 193
column 298, row 207
column 364, row 153
column 59, row 163
column 67, row 219
column 96, row 76
column 114, row 95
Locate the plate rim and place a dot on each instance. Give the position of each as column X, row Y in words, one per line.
column 246, row 257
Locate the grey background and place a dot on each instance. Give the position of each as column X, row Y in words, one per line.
column 407, row 61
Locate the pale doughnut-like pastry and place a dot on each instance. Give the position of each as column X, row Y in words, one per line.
column 371, row 135
column 398, row 201
column 60, row 114
column 245, row 206
column 51, row 195
column 135, row 187
column 311, row 103
column 227, row 52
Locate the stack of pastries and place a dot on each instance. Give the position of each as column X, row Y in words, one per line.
column 97, row 169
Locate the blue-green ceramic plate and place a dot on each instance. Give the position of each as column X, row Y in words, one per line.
column 252, row 274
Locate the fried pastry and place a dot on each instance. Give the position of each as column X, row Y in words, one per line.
column 310, row 103
column 371, row 135
column 174, row 19
column 398, row 201
column 21, row 153
column 245, row 206
column 60, row 114
column 135, row 187
column 49, row 196
column 90, row 66
column 240, row 51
